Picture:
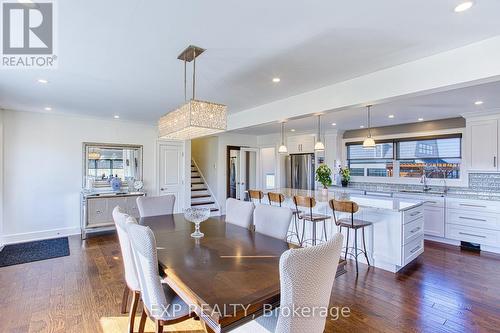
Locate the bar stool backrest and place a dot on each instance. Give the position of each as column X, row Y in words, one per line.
column 306, row 202
column 276, row 198
column 256, row 194
column 343, row 207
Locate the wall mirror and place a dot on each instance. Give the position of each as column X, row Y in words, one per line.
column 102, row 161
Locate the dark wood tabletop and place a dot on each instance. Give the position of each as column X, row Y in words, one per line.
column 228, row 275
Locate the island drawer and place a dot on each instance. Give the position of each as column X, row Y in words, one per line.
column 413, row 214
column 413, row 230
column 473, row 235
column 473, row 219
column 473, row 205
column 430, row 200
column 413, row 250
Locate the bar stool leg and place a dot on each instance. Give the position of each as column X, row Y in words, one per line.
column 303, row 232
column 356, row 248
column 347, row 243
column 314, row 233
column 295, row 219
column 324, row 229
column 364, row 246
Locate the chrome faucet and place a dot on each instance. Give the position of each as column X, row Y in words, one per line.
column 445, row 187
column 423, row 180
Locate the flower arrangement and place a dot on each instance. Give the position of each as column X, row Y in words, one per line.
column 345, row 175
column 324, row 175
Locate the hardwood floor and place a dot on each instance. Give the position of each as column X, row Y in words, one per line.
column 445, row 290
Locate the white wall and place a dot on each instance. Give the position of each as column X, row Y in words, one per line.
column 43, row 168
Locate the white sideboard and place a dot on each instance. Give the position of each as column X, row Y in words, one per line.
column 97, row 210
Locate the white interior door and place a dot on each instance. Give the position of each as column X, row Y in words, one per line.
column 171, row 172
column 249, row 170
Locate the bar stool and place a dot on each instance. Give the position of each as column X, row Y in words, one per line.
column 309, row 203
column 350, row 223
column 278, row 198
column 256, row 195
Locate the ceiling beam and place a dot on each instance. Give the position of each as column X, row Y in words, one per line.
column 461, row 67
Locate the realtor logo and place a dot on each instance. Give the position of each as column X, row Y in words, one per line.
column 28, row 34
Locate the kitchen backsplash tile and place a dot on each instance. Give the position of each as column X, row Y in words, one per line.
column 489, row 182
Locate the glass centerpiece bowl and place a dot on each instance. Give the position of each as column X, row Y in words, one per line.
column 197, row 215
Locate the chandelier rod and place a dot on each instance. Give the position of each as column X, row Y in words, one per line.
column 194, row 70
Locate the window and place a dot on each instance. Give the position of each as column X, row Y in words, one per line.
column 376, row 162
column 437, row 157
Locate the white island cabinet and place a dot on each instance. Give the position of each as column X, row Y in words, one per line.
column 396, row 236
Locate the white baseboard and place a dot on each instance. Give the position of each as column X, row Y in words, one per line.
column 39, row 235
column 442, row 240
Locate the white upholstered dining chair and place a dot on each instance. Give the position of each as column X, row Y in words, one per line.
column 272, row 221
column 239, row 212
column 131, row 280
column 154, row 206
column 306, row 281
column 161, row 303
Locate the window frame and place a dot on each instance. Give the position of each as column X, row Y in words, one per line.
column 463, row 181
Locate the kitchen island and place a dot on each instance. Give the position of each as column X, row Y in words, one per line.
column 396, row 236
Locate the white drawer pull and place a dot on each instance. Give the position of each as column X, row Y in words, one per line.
column 415, row 249
column 466, row 234
column 469, row 205
column 415, row 230
column 471, row 218
column 432, row 202
column 415, row 213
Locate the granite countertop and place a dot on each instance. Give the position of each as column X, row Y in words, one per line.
column 364, row 201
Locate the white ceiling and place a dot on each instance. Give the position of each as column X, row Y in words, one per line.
column 442, row 105
column 120, row 57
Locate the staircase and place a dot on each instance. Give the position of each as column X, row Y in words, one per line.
column 201, row 196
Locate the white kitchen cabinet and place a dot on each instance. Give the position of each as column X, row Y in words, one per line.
column 482, row 145
column 476, row 221
column 434, row 213
column 298, row 144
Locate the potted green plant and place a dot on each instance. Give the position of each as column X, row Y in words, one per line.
column 345, row 175
column 324, row 176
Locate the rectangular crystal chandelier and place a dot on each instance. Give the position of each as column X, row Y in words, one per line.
column 195, row 118
column 192, row 120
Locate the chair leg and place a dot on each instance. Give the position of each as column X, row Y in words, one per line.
column 364, row 246
column 356, row 248
column 296, row 223
column 125, row 299
column 159, row 327
column 347, row 243
column 133, row 310
column 314, row 233
column 142, row 323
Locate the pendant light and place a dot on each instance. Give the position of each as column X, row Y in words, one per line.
column 195, row 118
column 369, row 142
column 319, row 146
column 282, row 149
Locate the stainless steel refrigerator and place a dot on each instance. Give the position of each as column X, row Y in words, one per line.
column 300, row 171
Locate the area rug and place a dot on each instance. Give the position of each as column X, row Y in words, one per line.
column 15, row 254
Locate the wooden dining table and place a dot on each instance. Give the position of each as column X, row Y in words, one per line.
column 228, row 277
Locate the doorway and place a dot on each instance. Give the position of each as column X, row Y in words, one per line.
column 242, row 171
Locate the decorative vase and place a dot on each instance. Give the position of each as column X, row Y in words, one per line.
column 344, row 183
column 196, row 216
column 116, row 183
column 324, row 191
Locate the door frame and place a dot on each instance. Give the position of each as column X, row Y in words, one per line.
column 228, row 167
column 258, row 169
column 186, row 163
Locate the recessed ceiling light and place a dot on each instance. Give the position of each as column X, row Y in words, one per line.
column 116, row 116
column 44, row 81
column 292, row 130
column 463, row 6
column 391, row 116
column 47, row 108
column 334, row 124
column 478, row 102
column 276, row 79
column 362, row 126
column 420, row 119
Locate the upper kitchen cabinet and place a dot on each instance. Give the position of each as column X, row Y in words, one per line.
column 482, row 144
column 300, row 144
